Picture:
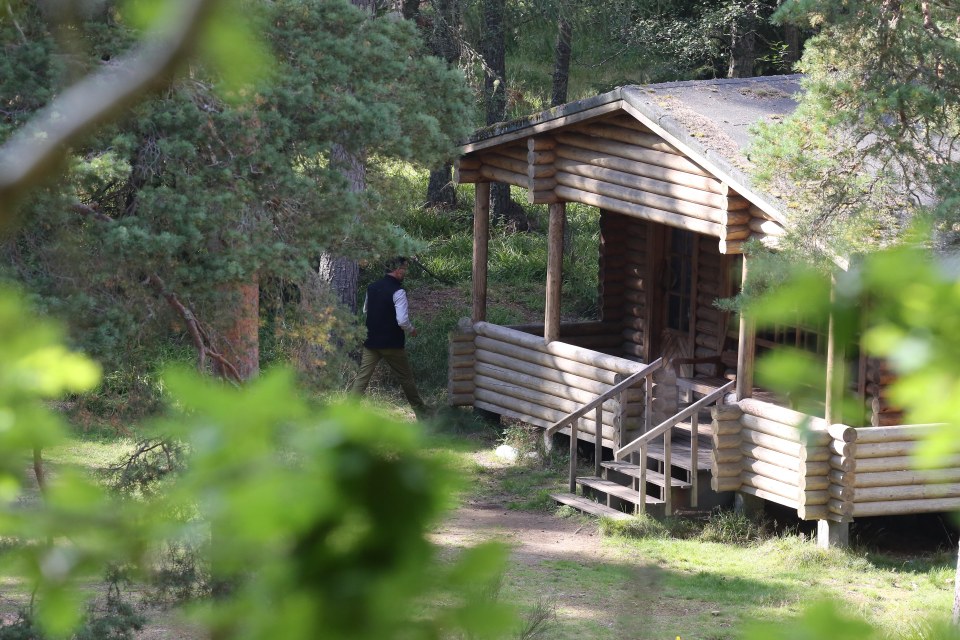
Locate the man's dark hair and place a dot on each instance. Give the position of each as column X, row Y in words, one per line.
column 395, row 263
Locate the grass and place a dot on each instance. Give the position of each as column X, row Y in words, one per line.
column 703, row 579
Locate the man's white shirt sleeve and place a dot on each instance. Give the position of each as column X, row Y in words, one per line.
column 403, row 312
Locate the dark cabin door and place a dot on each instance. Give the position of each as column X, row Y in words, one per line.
column 675, row 294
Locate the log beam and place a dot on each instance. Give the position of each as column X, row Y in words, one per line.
column 551, row 320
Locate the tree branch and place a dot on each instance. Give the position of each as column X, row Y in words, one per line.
column 27, row 156
column 201, row 341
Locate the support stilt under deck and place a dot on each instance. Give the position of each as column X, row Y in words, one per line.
column 832, row 534
column 747, row 505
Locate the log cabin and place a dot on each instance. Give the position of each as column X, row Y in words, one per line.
column 661, row 383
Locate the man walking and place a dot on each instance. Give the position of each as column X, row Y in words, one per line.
column 388, row 322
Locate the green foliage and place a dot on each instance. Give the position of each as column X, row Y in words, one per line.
column 698, row 35
column 822, row 620
column 210, row 184
column 315, row 519
column 906, row 303
column 874, row 138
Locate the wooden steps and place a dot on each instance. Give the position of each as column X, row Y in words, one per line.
column 617, row 490
column 704, row 430
column 680, row 454
column 589, row 506
column 633, row 471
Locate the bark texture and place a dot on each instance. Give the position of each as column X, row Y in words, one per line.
column 743, row 55
column 243, row 335
column 440, row 189
column 561, row 61
column 443, row 34
column 342, row 273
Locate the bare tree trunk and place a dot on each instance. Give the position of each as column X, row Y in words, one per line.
column 495, row 91
column 561, row 61
column 494, row 56
column 443, row 37
column 342, row 275
column 410, row 9
column 791, row 36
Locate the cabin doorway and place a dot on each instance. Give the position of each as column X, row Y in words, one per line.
column 675, row 293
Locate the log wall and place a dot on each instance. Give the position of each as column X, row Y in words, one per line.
column 782, row 456
column 461, row 361
column 878, row 377
column 517, row 374
column 624, row 281
column 886, row 480
column 596, row 336
column 825, row 471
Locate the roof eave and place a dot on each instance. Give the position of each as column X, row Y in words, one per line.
column 554, row 117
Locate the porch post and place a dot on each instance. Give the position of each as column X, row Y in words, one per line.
column 746, row 353
column 830, row 533
column 481, row 237
column 551, row 320
column 835, row 358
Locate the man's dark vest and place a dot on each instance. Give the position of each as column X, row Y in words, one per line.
column 383, row 332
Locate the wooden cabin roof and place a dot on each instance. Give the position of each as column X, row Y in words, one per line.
column 674, row 153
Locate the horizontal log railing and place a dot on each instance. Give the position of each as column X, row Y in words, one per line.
column 642, row 443
column 886, row 479
column 516, row 374
column 827, row 471
column 596, row 404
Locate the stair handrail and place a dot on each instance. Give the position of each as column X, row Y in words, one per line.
column 641, row 443
column 597, row 404
column 623, row 385
column 661, row 428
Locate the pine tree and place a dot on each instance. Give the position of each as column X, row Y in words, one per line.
column 195, row 199
column 873, row 143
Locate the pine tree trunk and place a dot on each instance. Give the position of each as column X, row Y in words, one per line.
column 500, row 203
column 342, row 274
column 440, row 191
column 742, row 50
column 444, row 44
column 495, row 91
column 494, row 55
column 561, row 61
column 242, row 337
column 410, row 9
column 791, row 36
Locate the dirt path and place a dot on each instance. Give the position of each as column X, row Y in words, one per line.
column 532, row 536
column 592, row 586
